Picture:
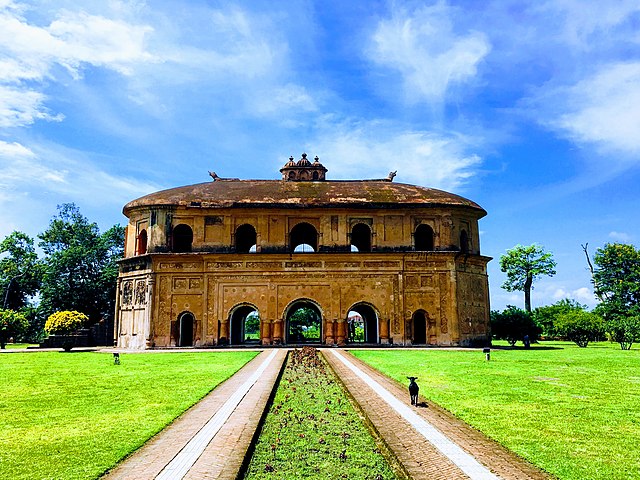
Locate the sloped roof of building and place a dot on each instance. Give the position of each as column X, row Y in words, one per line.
column 278, row 193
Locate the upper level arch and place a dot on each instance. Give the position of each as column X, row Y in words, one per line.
column 245, row 238
column 423, row 238
column 141, row 243
column 181, row 238
column 464, row 242
column 303, row 238
column 361, row 238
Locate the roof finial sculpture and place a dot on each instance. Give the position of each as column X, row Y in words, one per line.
column 391, row 175
column 214, row 175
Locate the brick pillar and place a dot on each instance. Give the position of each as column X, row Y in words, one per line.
column 341, row 332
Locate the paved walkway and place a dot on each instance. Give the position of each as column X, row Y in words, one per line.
column 429, row 442
column 211, row 440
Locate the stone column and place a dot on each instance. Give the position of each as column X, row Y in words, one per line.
column 148, row 313
column 117, row 318
column 329, row 337
column 265, row 332
column 277, row 332
column 384, row 331
column 341, row 332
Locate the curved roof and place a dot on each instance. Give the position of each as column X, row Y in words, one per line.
column 283, row 194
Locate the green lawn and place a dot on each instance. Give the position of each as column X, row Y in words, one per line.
column 73, row 415
column 575, row 412
column 11, row 346
column 313, row 431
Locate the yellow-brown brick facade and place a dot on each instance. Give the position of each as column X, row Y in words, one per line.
column 405, row 258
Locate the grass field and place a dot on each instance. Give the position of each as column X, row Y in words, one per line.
column 12, row 346
column 73, row 415
column 313, row 431
column 575, row 412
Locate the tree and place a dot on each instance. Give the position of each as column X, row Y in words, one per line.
column 513, row 324
column 81, row 268
column 523, row 265
column 546, row 316
column 580, row 326
column 20, row 270
column 12, row 323
column 624, row 330
column 616, row 281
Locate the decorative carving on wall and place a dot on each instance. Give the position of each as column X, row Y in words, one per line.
column 217, row 265
column 141, row 293
column 127, row 293
column 176, row 266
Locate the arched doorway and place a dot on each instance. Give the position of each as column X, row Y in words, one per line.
column 182, row 237
column 361, row 238
column 423, row 238
column 304, row 323
column 464, row 241
column 362, row 324
column 245, row 325
column 141, row 248
column 186, row 324
column 419, row 328
column 245, row 238
column 303, row 238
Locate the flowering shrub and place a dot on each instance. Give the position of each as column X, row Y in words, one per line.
column 65, row 322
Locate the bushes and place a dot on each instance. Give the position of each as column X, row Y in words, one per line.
column 11, row 324
column 513, row 324
column 624, row 330
column 65, row 323
column 580, row 327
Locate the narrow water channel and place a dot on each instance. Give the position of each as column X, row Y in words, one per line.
column 313, row 431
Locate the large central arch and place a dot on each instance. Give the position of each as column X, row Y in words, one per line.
column 303, row 323
column 362, row 315
column 245, row 325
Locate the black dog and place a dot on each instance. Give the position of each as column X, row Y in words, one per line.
column 413, row 390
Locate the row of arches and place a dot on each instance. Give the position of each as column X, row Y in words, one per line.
column 303, row 238
column 303, row 325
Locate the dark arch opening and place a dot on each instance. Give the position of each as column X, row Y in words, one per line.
column 303, row 238
column 245, row 325
column 362, row 324
column 419, row 328
column 304, row 323
column 423, row 238
column 246, row 238
column 142, row 243
column 464, row 241
column 315, row 175
column 361, row 237
column 186, row 324
column 182, row 238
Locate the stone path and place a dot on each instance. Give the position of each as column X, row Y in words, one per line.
column 211, row 440
column 429, row 442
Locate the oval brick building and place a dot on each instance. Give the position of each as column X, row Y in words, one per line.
column 302, row 259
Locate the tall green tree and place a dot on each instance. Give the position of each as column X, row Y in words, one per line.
column 12, row 324
column 616, row 280
column 523, row 265
column 20, row 271
column 80, row 265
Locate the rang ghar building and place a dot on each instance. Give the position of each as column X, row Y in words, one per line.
column 302, row 259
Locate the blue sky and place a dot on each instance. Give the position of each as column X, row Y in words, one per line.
column 531, row 109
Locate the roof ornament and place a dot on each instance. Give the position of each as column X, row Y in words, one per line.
column 391, row 175
column 214, row 175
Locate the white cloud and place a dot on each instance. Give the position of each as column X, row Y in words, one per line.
column 582, row 23
column 373, row 149
column 601, row 109
column 424, row 48
column 620, row 237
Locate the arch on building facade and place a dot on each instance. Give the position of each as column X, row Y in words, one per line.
column 419, row 328
column 244, row 324
column 370, row 324
column 141, row 245
column 181, row 238
column 186, row 329
column 361, row 237
column 303, row 322
column 464, row 241
column 303, row 238
column 245, row 238
column 423, row 238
